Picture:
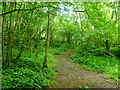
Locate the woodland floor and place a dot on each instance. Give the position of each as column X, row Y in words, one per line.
column 71, row 75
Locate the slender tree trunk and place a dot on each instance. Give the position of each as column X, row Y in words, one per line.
column 3, row 20
column 107, row 45
column 47, row 42
column 51, row 39
column 9, row 46
column 69, row 38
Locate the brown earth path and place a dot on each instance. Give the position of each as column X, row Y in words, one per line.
column 71, row 75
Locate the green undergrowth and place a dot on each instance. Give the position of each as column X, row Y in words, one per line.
column 102, row 63
column 57, row 51
column 61, row 49
column 84, row 88
column 28, row 72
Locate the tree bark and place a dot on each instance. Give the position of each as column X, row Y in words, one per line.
column 51, row 39
column 107, row 45
column 9, row 45
column 69, row 38
column 47, row 42
column 3, row 20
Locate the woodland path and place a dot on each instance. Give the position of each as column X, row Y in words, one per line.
column 71, row 75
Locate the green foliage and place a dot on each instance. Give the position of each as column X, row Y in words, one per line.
column 28, row 72
column 69, row 46
column 80, row 86
column 49, row 73
column 60, row 50
column 57, row 50
column 69, row 30
column 23, row 78
column 84, row 88
column 105, row 64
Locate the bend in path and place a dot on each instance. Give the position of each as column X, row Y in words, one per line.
column 71, row 75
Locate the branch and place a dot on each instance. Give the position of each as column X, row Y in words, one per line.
column 33, row 9
column 78, row 11
column 18, row 10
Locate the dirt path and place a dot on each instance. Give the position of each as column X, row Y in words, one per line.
column 72, row 76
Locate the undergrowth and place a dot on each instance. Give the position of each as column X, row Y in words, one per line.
column 105, row 63
column 28, row 72
column 61, row 49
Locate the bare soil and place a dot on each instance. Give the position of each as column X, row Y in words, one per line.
column 71, row 75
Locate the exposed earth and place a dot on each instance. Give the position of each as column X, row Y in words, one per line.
column 71, row 75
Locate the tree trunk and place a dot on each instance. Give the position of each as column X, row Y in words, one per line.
column 47, row 42
column 69, row 38
column 3, row 20
column 51, row 39
column 9, row 46
column 107, row 45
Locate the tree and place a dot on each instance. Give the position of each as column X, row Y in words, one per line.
column 47, row 41
column 3, row 22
